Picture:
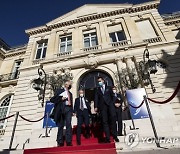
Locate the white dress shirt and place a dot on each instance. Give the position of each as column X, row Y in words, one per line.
column 84, row 103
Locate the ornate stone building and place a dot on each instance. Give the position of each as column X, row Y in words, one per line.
column 95, row 39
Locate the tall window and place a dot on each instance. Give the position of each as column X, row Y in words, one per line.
column 66, row 44
column 116, row 33
column 146, row 29
column 90, row 39
column 15, row 71
column 4, row 108
column 41, row 50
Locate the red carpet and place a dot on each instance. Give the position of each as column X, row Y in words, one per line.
column 92, row 145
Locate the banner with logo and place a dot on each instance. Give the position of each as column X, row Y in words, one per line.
column 48, row 109
column 135, row 98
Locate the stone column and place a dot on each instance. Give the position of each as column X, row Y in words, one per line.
column 132, row 28
column 51, row 45
column 104, row 35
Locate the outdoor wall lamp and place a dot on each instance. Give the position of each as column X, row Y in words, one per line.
column 39, row 84
column 147, row 67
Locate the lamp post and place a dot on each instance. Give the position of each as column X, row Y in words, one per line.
column 39, row 84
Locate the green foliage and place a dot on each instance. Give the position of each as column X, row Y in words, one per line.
column 57, row 80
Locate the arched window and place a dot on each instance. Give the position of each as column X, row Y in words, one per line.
column 4, row 109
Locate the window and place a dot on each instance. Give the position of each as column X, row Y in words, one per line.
column 90, row 39
column 15, row 71
column 146, row 29
column 66, row 44
column 116, row 33
column 4, row 108
column 41, row 50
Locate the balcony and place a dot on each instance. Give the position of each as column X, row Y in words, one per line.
column 97, row 47
column 37, row 61
column 153, row 40
column 10, row 76
column 7, row 79
column 121, row 43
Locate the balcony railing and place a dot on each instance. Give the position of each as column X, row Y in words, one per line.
column 153, row 40
column 64, row 53
column 121, row 43
column 37, row 61
column 10, row 76
column 97, row 47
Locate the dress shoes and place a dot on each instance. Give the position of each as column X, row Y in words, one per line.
column 60, row 144
column 78, row 142
column 69, row 144
column 116, row 139
column 107, row 141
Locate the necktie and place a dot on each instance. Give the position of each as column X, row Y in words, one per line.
column 69, row 98
column 102, row 89
column 81, row 104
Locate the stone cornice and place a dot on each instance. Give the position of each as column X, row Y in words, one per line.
column 2, row 54
column 11, row 54
column 133, row 9
column 16, row 51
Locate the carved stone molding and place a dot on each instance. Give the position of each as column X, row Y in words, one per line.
column 91, row 61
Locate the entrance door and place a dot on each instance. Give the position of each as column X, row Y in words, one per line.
column 89, row 82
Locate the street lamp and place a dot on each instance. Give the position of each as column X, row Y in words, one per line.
column 39, row 84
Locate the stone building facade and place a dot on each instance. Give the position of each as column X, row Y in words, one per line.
column 95, row 38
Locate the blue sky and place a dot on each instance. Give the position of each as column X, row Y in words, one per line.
column 18, row 15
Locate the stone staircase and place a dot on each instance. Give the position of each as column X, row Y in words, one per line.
column 37, row 139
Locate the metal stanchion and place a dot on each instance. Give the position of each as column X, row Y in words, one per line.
column 47, row 118
column 132, row 120
column 13, row 132
column 152, row 122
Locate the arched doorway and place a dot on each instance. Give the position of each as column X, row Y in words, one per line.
column 88, row 82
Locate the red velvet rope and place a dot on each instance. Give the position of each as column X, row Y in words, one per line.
column 137, row 106
column 170, row 98
column 31, row 120
column 7, row 117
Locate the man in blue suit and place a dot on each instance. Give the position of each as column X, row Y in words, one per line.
column 63, row 110
column 82, row 110
column 104, row 104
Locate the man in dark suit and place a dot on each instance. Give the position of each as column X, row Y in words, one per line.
column 103, row 103
column 82, row 110
column 63, row 110
column 117, row 101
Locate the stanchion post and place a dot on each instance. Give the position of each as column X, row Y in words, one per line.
column 133, row 127
column 13, row 131
column 47, row 117
column 152, row 122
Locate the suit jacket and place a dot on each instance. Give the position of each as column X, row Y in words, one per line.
column 59, row 104
column 118, row 97
column 101, row 99
column 77, row 106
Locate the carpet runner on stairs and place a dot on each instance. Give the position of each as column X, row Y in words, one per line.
column 92, row 145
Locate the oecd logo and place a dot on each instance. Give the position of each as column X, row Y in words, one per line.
column 131, row 140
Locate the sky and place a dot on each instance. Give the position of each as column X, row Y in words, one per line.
column 18, row 15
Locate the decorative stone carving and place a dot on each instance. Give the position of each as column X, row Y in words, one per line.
column 91, row 61
column 11, row 89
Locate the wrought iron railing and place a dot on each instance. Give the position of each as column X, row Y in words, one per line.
column 10, row 76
